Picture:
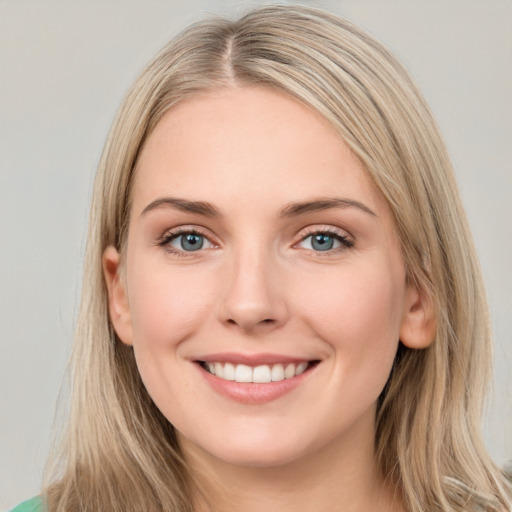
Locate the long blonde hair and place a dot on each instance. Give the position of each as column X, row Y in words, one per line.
column 119, row 452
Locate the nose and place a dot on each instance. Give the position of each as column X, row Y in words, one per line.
column 254, row 298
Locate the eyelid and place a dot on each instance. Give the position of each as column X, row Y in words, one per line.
column 323, row 228
column 346, row 240
column 173, row 233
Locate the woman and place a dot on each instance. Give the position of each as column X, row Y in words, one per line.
column 282, row 307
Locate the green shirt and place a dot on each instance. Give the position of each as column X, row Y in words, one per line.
column 33, row 505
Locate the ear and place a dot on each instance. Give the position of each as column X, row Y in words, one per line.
column 117, row 297
column 418, row 327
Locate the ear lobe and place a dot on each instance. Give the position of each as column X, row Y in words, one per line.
column 117, row 297
column 418, row 327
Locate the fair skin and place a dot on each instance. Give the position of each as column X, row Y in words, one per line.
column 291, row 266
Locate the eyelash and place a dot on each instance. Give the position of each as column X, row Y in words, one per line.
column 165, row 241
column 345, row 242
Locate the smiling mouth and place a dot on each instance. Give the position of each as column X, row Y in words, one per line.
column 260, row 374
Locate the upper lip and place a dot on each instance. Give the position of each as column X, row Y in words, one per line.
column 252, row 359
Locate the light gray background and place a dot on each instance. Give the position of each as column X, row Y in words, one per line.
column 64, row 67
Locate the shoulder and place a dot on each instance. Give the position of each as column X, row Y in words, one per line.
column 33, row 505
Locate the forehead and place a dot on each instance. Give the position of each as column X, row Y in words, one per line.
column 247, row 142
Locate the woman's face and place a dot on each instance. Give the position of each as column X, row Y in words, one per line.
column 259, row 250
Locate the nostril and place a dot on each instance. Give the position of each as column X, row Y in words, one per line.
column 251, row 325
column 265, row 321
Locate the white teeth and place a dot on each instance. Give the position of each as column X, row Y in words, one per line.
column 219, row 370
column 229, row 371
column 277, row 372
column 260, row 374
column 301, row 368
column 243, row 373
column 289, row 371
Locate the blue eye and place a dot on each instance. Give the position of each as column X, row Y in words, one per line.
column 190, row 242
column 186, row 241
column 324, row 241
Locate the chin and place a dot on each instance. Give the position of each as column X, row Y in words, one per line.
column 254, row 450
column 259, row 459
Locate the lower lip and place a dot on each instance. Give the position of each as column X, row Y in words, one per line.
column 252, row 393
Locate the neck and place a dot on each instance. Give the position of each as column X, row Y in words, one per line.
column 342, row 475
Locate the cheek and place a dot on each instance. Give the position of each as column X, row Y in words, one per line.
column 358, row 314
column 167, row 306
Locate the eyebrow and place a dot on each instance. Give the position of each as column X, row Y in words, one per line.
column 290, row 210
column 199, row 207
column 298, row 208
